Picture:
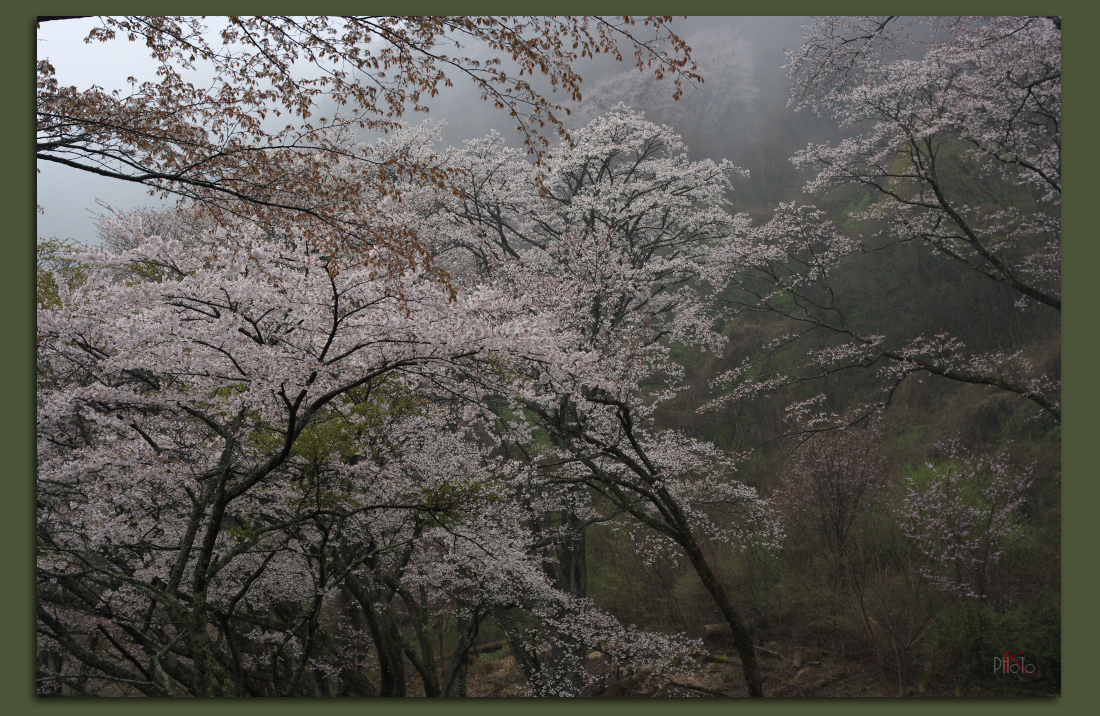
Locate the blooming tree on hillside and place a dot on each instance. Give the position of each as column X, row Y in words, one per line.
column 174, row 415
column 240, row 436
column 962, row 512
column 613, row 242
column 957, row 151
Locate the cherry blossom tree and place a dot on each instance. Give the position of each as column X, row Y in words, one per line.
column 832, row 482
column 993, row 88
column 612, row 241
column 962, row 512
column 836, row 493
column 172, row 413
column 248, row 457
column 955, row 148
column 789, row 268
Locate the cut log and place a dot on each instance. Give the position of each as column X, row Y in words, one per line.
column 501, row 645
column 769, row 652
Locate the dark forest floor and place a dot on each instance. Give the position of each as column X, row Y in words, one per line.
column 819, row 674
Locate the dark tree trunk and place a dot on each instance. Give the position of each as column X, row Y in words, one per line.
column 387, row 642
column 741, row 638
column 569, row 654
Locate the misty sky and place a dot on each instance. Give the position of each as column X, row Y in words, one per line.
column 69, row 196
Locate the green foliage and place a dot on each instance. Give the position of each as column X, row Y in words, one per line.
column 621, row 581
column 240, row 533
column 927, row 474
column 56, row 257
column 970, row 633
column 495, row 655
column 689, row 357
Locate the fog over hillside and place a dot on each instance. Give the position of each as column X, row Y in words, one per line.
column 738, row 113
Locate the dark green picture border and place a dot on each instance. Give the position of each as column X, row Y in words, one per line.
column 1081, row 358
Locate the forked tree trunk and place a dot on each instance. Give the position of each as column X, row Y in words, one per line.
column 387, row 644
